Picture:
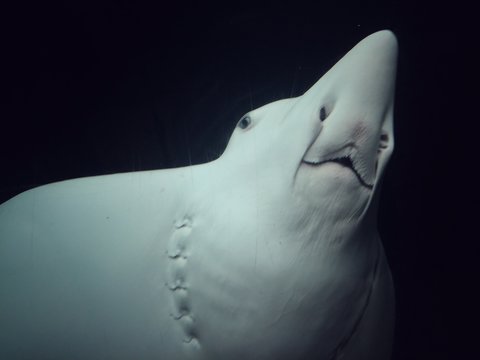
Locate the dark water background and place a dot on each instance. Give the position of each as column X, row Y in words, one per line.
column 100, row 87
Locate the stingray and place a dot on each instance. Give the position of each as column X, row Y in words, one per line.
column 269, row 252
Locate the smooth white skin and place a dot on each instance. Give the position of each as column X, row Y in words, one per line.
column 256, row 255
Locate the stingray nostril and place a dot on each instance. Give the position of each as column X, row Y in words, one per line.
column 384, row 141
column 323, row 113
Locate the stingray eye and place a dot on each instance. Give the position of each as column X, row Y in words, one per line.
column 323, row 113
column 244, row 122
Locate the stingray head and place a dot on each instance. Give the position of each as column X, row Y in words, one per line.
column 330, row 145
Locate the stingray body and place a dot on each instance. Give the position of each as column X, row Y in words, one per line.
column 269, row 252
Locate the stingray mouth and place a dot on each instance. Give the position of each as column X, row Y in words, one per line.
column 345, row 161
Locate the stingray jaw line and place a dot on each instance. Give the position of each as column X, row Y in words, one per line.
column 345, row 161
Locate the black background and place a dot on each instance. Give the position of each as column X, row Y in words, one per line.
column 101, row 87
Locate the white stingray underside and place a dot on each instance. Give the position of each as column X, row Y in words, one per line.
column 269, row 252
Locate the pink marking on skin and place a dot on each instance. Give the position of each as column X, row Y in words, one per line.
column 359, row 131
